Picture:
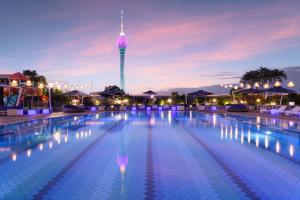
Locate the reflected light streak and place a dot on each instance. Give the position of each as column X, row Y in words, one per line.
column 258, row 120
column 214, row 119
column 249, row 136
column 14, row 157
column 236, row 133
column 50, row 145
column 277, row 147
column 41, row 147
column 28, row 152
column 266, row 141
column 292, row 150
column 169, row 117
column 66, row 139
column 231, row 133
column 242, row 137
column 257, row 141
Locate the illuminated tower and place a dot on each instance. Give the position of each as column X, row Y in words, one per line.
column 122, row 44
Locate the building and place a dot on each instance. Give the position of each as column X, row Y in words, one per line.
column 122, row 44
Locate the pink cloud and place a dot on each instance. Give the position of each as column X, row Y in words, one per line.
column 162, row 52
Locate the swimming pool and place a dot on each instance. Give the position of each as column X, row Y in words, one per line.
column 148, row 155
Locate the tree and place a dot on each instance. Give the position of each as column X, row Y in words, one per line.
column 35, row 77
column 263, row 76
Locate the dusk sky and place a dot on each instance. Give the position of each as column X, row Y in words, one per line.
column 171, row 43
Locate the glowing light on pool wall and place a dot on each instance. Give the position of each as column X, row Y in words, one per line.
column 122, row 44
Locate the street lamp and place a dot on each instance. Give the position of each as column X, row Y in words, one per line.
column 14, row 83
column 41, row 86
column 28, row 83
column 291, row 84
column 266, row 86
column 277, row 84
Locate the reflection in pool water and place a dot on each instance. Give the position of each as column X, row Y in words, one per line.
column 152, row 155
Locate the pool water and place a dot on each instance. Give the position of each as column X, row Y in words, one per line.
column 149, row 155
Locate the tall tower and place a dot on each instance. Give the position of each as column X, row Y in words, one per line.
column 122, row 44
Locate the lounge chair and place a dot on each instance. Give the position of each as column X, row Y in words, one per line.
column 294, row 111
column 264, row 109
column 142, row 107
column 181, row 108
column 122, row 108
column 67, row 108
column 238, row 108
column 200, row 108
column 166, row 107
column 154, row 107
column 280, row 110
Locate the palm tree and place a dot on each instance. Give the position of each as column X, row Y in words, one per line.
column 262, row 76
column 35, row 77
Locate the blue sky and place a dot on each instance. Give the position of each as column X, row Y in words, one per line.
column 171, row 43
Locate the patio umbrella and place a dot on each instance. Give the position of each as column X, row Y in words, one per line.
column 278, row 91
column 149, row 92
column 200, row 93
column 76, row 93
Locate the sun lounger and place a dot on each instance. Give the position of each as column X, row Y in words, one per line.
column 142, row 107
column 122, row 108
column 166, row 107
column 294, row 111
column 67, row 108
column 154, row 107
column 181, row 108
column 280, row 110
column 201, row 108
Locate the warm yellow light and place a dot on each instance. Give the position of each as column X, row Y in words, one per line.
column 14, row 156
column 236, row 87
column 256, row 85
column 291, row 84
column 28, row 83
column 292, row 150
column 225, row 86
column 41, row 85
column 257, row 100
column 14, row 83
column 41, row 147
column 248, row 86
column 28, row 153
column 214, row 100
column 266, row 86
column 277, row 147
column 277, row 84
column 169, row 100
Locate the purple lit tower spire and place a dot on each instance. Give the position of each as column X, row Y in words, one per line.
column 122, row 44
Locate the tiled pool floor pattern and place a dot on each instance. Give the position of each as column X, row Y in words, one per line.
column 147, row 156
